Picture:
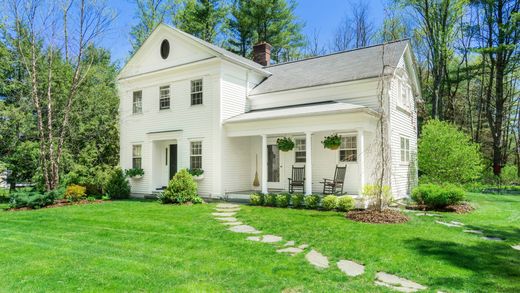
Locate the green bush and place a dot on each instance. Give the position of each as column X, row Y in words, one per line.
column 75, row 192
column 181, row 189
column 58, row 193
column 4, row 195
column 117, row 186
column 30, row 199
column 298, row 200
column 447, row 154
column 312, row 201
column 329, row 202
column 283, row 200
column 437, row 196
column 345, row 203
column 509, row 175
column 270, row 200
column 134, row 172
column 257, row 199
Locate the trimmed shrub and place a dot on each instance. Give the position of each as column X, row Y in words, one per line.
column 58, row 193
column 33, row 200
column 298, row 200
column 446, row 154
column 117, row 186
column 378, row 196
column 270, row 200
column 345, row 203
column 75, row 192
column 283, row 200
column 437, row 196
column 257, row 199
column 312, row 201
column 181, row 189
column 329, row 202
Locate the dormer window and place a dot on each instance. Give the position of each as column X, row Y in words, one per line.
column 165, row 49
column 404, row 95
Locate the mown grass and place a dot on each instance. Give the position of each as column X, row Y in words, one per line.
column 145, row 246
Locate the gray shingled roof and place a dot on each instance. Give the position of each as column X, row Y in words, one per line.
column 338, row 67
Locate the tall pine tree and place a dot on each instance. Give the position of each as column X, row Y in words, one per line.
column 204, row 19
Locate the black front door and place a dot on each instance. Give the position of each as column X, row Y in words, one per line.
column 173, row 160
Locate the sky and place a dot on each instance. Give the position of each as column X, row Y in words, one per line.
column 321, row 15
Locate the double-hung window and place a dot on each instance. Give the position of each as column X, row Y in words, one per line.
column 164, row 97
column 136, row 156
column 196, row 92
column 299, row 150
column 348, row 148
column 137, row 102
column 405, row 149
column 404, row 94
column 196, row 155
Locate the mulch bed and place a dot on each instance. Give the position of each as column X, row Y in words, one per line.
column 462, row 208
column 375, row 217
column 62, row 203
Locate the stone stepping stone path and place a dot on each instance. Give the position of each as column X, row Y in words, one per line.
column 450, row 224
column 397, row 283
column 290, row 250
column 517, row 247
column 227, row 219
column 224, row 214
column 317, row 259
column 492, row 238
column 473, row 231
column 428, row 215
column 227, row 206
column 244, row 229
column 232, row 223
column 350, row 268
column 233, row 210
column 265, row 238
column 289, row 243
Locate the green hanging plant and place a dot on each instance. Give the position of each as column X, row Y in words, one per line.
column 285, row 144
column 332, row 142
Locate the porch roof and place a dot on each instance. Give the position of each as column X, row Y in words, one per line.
column 299, row 111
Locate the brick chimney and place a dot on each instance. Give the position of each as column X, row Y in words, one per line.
column 262, row 53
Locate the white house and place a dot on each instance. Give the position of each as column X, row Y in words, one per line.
column 185, row 103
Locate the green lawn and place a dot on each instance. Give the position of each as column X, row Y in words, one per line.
column 145, row 246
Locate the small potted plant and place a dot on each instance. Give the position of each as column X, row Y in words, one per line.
column 197, row 173
column 134, row 173
column 332, row 142
column 285, row 144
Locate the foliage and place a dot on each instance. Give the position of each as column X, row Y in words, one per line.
column 345, row 203
column 117, row 186
column 257, row 199
column 30, row 199
column 150, row 14
column 134, row 172
column 181, row 189
column 438, row 196
column 196, row 171
column 202, row 18
column 270, row 200
column 4, row 195
column 298, row 200
column 378, row 196
column 332, row 141
column 283, row 200
column 285, row 144
column 312, row 201
column 75, row 192
column 329, row 202
column 509, row 175
column 447, row 154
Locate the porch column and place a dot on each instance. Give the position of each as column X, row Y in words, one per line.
column 263, row 181
column 361, row 158
column 308, row 163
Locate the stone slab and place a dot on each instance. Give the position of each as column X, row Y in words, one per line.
column 492, row 238
column 450, row 224
column 223, row 214
column 473, row 231
column 232, row 223
column 350, row 268
column 244, row 229
column 303, row 246
column 517, row 247
column 227, row 206
column 317, row 259
column 398, row 283
column 227, row 219
column 289, row 243
column 290, row 250
column 265, row 238
column 227, row 210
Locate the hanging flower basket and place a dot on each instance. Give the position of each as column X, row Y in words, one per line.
column 332, row 142
column 285, row 144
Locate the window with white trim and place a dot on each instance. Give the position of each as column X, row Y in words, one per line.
column 137, row 156
column 348, row 148
column 137, row 102
column 196, row 92
column 404, row 94
column 164, row 97
column 299, row 150
column 196, row 155
column 405, row 149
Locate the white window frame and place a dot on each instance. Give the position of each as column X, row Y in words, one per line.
column 137, row 154
column 195, row 153
column 404, row 94
column 405, row 149
column 346, row 147
column 137, row 105
column 164, row 97
column 300, row 151
column 195, row 91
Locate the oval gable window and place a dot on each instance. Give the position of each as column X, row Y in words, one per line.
column 165, row 49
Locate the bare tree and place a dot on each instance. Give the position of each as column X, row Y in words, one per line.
column 314, row 47
column 355, row 29
column 39, row 44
